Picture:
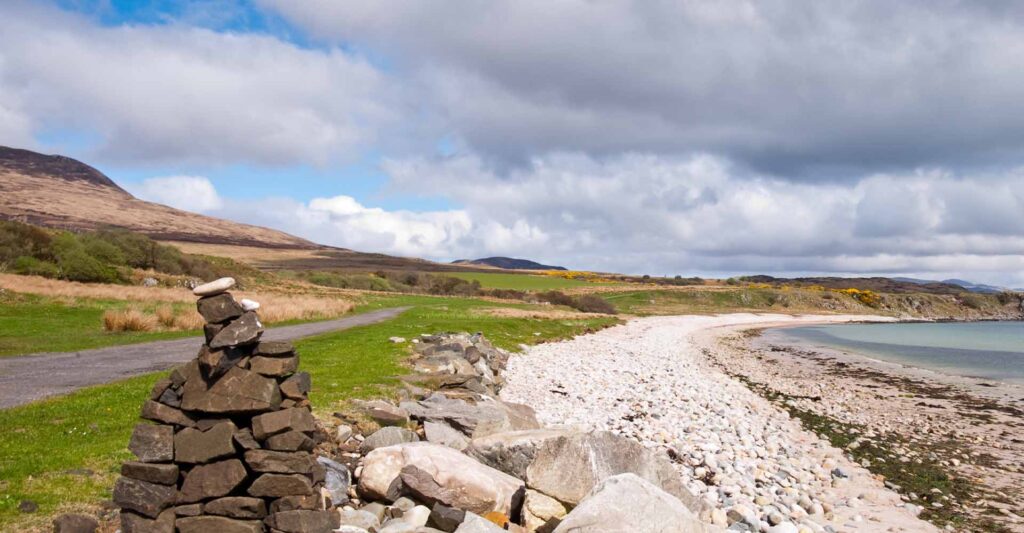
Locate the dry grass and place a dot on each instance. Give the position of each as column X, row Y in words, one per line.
column 538, row 314
column 157, row 309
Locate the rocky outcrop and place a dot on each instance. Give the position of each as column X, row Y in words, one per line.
column 230, row 449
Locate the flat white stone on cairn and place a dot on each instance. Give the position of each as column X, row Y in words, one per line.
column 214, row 287
column 231, row 447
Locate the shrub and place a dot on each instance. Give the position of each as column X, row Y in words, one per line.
column 556, row 298
column 77, row 265
column 127, row 320
column 31, row 266
column 588, row 303
column 165, row 316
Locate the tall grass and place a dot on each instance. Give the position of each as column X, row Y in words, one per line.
column 128, row 320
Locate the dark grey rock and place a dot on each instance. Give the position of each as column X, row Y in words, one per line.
column 162, row 474
column 236, row 392
column 217, row 524
column 237, row 507
column 143, row 497
column 213, row 480
column 219, row 308
column 337, row 480
column 295, row 419
column 166, row 414
column 197, row 447
column 289, row 441
column 278, row 485
column 152, row 443
column 75, row 523
column 279, row 462
column 239, row 332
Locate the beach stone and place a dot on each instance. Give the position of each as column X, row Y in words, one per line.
column 166, row 414
column 274, row 366
column 294, row 419
column 434, row 473
column 477, row 420
column 152, row 443
column 300, row 521
column 196, row 447
column 541, row 512
column 337, row 480
column 75, row 523
column 387, row 436
column 217, row 524
column 237, row 507
column 358, row 518
column 289, row 441
column 214, row 287
column 512, row 451
column 239, row 332
column 445, row 518
column 219, row 308
column 445, row 435
column 474, row 523
column 568, row 467
column 162, row 474
column 279, row 485
column 249, row 305
column 626, row 503
column 279, row 462
column 136, row 523
column 385, row 413
column 212, row 481
column 236, row 392
column 143, row 497
column 297, row 386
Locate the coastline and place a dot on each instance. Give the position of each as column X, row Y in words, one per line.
column 968, row 430
column 752, row 464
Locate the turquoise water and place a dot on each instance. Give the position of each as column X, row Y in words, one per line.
column 990, row 350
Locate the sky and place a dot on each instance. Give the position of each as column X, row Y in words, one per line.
column 709, row 138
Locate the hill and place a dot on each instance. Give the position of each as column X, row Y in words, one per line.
column 877, row 284
column 507, row 263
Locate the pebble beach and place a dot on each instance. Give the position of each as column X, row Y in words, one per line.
column 754, row 467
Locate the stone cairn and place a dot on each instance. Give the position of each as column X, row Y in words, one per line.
column 231, row 446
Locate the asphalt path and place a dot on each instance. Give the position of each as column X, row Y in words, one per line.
column 28, row 378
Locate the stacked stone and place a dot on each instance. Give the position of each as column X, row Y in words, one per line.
column 231, row 447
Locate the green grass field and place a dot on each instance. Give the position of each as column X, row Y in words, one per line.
column 63, row 453
column 30, row 324
column 521, row 282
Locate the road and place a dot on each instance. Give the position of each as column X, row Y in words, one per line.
column 29, row 378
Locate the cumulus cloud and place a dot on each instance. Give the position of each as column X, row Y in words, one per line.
column 175, row 93
column 797, row 89
column 191, row 193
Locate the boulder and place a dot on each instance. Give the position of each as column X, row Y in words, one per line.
column 214, row 287
column 387, row 436
column 166, row 414
column 627, row 503
column 194, row 446
column 444, row 363
column 236, row 392
column 242, row 331
column 478, row 524
column 294, row 419
column 237, row 507
column 213, row 480
column 218, row 524
column 300, row 521
column 161, row 474
column 445, row 435
column 219, row 308
column 484, row 418
column 445, row 518
column 434, row 473
column 541, row 512
column 289, row 441
column 385, row 413
column 274, row 366
column 359, row 518
column 143, row 497
column 568, row 467
column 512, row 451
column 152, row 443
column 75, row 523
column 279, row 485
column 279, row 462
column 337, row 480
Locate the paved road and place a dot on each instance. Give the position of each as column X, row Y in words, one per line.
column 32, row 377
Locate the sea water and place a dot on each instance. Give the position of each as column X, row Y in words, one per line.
column 989, row 350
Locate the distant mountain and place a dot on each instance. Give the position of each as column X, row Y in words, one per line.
column 969, row 285
column 507, row 263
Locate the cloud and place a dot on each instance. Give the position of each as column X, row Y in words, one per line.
column 191, row 193
column 175, row 93
column 810, row 90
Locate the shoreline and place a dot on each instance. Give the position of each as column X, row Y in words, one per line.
column 943, row 424
column 748, row 460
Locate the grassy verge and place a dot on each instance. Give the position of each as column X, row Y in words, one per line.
column 63, row 453
column 522, row 282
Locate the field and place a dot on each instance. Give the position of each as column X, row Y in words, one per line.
column 63, row 453
column 521, row 282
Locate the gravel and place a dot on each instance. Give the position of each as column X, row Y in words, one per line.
column 745, row 458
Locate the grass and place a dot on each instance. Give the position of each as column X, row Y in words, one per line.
column 46, row 445
column 521, row 282
column 731, row 300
